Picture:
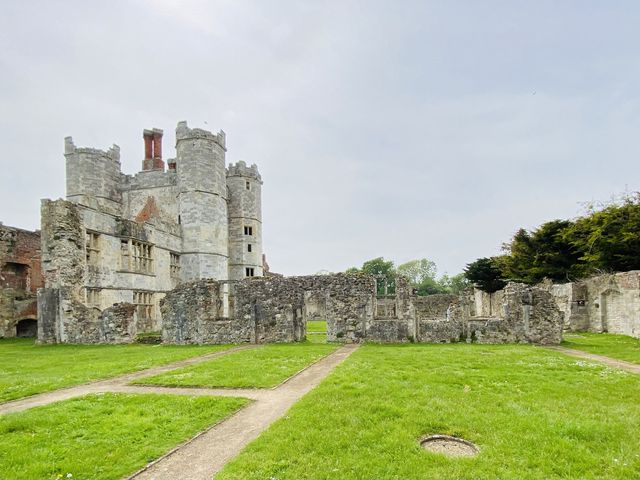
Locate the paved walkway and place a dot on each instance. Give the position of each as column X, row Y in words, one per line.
column 109, row 385
column 206, row 454
column 612, row 362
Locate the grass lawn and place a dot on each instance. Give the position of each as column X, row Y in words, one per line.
column 534, row 413
column 607, row 344
column 262, row 367
column 103, row 436
column 317, row 326
column 26, row 368
column 317, row 331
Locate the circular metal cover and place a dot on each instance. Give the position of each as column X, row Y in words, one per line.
column 448, row 445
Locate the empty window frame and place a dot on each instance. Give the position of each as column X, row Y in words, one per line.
column 92, row 297
column 247, row 185
column 249, row 247
column 249, row 272
column 248, row 230
column 174, row 265
column 136, row 256
column 144, row 304
column 92, row 247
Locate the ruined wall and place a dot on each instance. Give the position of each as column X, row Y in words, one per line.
column 262, row 310
column 275, row 309
column 488, row 304
column 394, row 316
column 439, row 319
column 20, row 277
column 203, row 312
column 60, row 304
column 63, row 315
column 604, row 303
column 524, row 315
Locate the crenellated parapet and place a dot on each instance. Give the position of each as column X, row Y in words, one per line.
column 113, row 153
column 240, row 169
column 183, row 132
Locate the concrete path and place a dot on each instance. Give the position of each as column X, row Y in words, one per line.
column 109, row 385
column 612, row 362
column 206, row 454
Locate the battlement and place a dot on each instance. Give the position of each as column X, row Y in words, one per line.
column 70, row 148
column 240, row 169
column 183, row 132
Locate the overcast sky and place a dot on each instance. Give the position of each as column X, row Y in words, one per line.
column 403, row 129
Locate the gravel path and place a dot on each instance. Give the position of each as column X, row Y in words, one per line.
column 108, row 385
column 612, row 362
column 206, row 454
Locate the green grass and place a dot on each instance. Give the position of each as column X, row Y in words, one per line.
column 27, row 369
column 316, row 326
column 607, row 344
column 103, row 436
column 534, row 413
column 317, row 331
column 316, row 338
column 263, row 367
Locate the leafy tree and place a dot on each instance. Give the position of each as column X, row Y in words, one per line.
column 416, row 271
column 378, row 266
column 485, row 273
column 543, row 253
column 455, row 284
column 420, row 273
column 608, row 239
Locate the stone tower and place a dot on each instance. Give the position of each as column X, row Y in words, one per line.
column 245, row 221
column 202, row 199
column 93, row 176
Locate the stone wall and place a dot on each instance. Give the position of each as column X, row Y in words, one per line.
column 519, row 314
column 604, row 303
column 20, row 277
column 63, row 313
column 267, row 309
column 276, row 309
column 439, row 319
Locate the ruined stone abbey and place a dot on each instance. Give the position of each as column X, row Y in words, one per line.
column 129, row 239
column 178, row 252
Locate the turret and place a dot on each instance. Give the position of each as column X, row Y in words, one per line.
column 93, row 173
column 245, row 221
column 202, row 187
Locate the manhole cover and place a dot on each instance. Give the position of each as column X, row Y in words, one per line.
column 451, row 446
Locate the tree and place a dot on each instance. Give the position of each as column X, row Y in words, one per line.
column 543, row 253
column 378, row 266
column 455, row 284
column 416, row 271
column 608, row 239
column 485, row 274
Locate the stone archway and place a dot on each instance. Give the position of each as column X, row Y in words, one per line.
column 27, row 328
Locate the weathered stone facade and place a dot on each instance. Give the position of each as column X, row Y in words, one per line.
column 130, row 239
column 276, row 309
column 20, row 277
column 604, row 303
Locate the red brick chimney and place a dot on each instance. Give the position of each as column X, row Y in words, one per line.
column 152, row 150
